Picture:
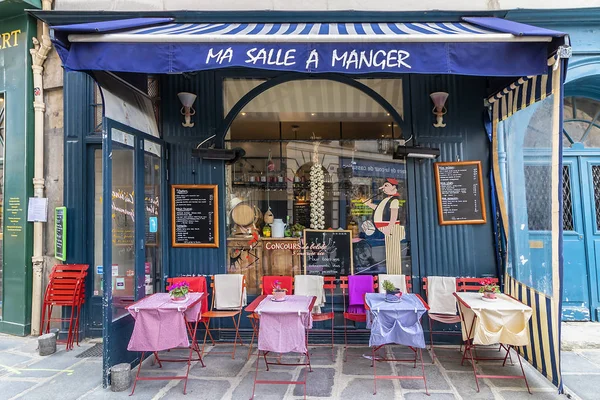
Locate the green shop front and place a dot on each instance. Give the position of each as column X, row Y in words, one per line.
column 397, row 147
column 16, row 164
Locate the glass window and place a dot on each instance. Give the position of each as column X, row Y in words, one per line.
column 98, row 278
column 152, row 202
column 308, row 137
column 581, row 122
column 123, row 222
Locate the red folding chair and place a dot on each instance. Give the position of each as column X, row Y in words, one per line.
column 66, row 287
column 266, row 288
column 197, row 285
column 215, row 313
column 351, row 316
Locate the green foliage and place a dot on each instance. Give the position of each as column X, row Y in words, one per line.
column 388, row 286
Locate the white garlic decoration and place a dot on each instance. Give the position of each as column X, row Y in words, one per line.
column 317, row 193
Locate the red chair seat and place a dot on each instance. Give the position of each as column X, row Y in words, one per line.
column 323, row 316
column 355, row 317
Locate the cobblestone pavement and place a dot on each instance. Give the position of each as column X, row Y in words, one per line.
column 25, row 375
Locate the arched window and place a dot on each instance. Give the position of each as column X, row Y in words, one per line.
column 581, row 123
column 318, row 155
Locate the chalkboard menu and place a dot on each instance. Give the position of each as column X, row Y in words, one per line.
column 60, row 233
column 327, row 252
column 460, row 193
column 195, row 216
column 302, row 213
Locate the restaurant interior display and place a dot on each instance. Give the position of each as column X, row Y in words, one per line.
column 318, row 155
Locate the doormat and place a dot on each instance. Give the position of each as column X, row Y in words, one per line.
column 94, row 351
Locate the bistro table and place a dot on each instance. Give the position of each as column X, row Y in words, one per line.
column 282, row 329
column 396, row 323
column 162, row 324
column 501, row 321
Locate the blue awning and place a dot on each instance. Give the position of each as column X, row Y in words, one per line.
column 474, row 46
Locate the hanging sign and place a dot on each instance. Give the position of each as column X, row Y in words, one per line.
column 60, row 233
column 460, row 196
column 194, row 216
column 328, row 252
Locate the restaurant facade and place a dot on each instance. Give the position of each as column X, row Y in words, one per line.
column 367, row 147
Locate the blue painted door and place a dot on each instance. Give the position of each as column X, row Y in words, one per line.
column 590, row 178
column 581, row 247
column 576, row 299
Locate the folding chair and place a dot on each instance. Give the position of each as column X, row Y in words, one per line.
column 350, row 316
column 329, row 285
column 233, row 313
column 442, row 318
column 66, row 287
column 197, row 285
column 266, row 288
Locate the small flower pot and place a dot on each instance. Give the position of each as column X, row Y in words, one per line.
column 180, row 299
column 279, row 295
column 489, row 295
column 393, row 295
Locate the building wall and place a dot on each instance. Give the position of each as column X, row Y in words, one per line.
column 16, row 83
column 436, row 250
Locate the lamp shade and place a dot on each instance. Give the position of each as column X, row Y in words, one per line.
column 187, row 99
column 439, row 99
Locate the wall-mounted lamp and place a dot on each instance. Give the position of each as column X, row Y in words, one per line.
column 439, row 100
column 187, row 99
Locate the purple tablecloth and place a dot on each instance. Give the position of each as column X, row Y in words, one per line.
column 159, row 322
column 283, row 324
column 398, row 323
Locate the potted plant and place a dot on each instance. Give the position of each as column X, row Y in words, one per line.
column 178, row 291
column 488, row 288
column 278, row 291
column 392, row 293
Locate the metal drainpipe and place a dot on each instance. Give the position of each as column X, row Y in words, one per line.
column 38, row 54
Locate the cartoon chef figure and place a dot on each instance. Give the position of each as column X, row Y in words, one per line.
column 385, row 215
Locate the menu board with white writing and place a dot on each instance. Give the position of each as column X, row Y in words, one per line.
column 194, row 216
column 460, row 197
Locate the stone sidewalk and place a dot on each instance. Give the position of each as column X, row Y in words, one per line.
column 25, row 375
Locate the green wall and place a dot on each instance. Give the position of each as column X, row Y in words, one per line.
column 16, row 82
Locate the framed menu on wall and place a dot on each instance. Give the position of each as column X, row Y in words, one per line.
column 460, row 197
column 194, row 216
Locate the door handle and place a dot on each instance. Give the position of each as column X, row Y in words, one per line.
column 580, row 237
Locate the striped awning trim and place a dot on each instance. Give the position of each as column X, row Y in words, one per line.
column 544, row 351
column 522, row 93
column 308, row 32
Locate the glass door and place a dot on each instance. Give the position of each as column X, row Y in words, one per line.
column 131, row 232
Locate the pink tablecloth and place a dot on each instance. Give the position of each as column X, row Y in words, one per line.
column 282, row 330
column 159, row 322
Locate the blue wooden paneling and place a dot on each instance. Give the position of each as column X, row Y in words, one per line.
column 453, row 250
column 184, row 169
column 78, row 87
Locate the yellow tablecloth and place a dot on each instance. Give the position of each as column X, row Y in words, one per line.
column 502, row 321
